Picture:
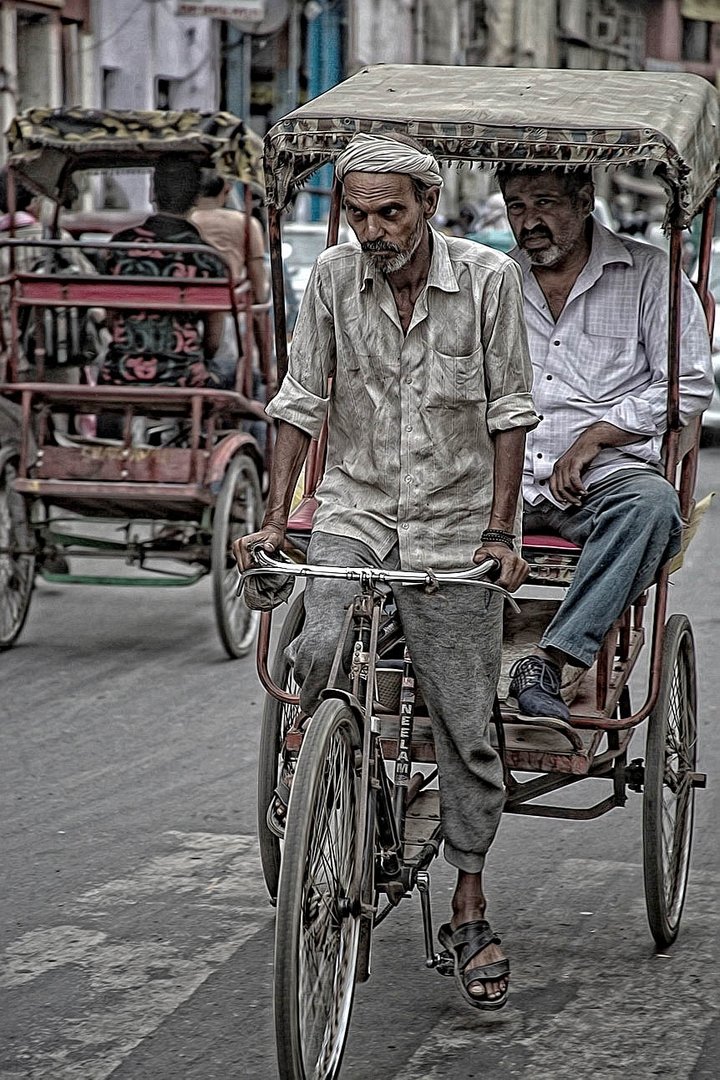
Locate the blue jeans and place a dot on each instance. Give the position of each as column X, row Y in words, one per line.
column 628, row 526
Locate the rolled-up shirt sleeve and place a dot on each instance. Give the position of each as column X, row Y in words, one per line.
column 508, row 371
column 303, row 397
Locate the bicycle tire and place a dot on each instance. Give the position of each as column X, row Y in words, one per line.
column 669, row 796
column 276, row 719
column 318, row 922
column 17, row 571
column 237, row 512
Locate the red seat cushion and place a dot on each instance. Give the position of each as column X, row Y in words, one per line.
column 301, row 520
column 548, row 542
column 302, row 516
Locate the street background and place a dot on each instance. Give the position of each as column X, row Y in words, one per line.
column 136, row 937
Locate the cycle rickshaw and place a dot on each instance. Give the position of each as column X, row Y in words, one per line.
column 158, row 477
column 363, row 823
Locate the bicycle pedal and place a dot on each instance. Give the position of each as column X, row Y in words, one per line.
column 444, row 964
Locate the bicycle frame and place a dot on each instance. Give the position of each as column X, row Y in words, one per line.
column 383, row 803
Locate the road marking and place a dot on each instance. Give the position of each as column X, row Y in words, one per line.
column 119, row 992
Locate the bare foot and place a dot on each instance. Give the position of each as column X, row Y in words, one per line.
column 469, row 904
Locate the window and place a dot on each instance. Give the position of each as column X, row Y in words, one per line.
column 696, row 40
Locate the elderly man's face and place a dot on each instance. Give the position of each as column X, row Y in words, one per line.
column 548, row 223
column 387, row 216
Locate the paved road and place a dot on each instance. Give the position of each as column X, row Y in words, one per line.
column 136, row 940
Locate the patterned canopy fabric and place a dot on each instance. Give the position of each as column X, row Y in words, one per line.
column 491, row 115
column 47, row 145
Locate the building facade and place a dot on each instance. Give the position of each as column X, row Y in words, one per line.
column 46, row 55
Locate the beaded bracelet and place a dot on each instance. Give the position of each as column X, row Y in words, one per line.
column 497, row 536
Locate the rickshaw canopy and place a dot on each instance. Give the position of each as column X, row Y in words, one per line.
column 47, row 145
column 497, row 115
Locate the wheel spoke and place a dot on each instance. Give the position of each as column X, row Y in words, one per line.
column 328, row 933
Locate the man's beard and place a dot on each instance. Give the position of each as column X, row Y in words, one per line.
column 390, row 266
column 549, row 256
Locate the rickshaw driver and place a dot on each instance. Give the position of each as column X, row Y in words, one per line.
column 424, row 337
column 595, row 307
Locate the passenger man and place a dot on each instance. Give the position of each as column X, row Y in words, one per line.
column 227, row 230
column 242, row 244
column 424, row 339
column 171, row 348
column 595, row 306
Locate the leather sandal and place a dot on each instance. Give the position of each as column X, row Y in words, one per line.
column 463, row 944
column 276, row 815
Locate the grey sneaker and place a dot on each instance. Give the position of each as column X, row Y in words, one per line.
column 535, row 685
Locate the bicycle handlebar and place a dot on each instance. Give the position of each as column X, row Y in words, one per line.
column 371, row 575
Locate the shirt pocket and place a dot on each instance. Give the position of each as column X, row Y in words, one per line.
column 454, row 381
column 610, row 342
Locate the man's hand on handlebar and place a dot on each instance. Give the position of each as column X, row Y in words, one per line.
column 513, row 569
column 270, row 538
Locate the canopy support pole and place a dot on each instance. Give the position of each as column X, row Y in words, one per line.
column 278, row 289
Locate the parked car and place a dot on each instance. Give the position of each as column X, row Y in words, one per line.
column 302, row 243
column 711, row 418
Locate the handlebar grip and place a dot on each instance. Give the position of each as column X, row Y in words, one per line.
column 493, row 571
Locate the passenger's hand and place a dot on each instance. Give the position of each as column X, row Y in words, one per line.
column 270, row 538
column 566, row 482
column 513, row 568
column 198, row 374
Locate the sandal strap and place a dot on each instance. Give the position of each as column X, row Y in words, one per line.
column 282, row 790
column 486, row 973
column 469, row 939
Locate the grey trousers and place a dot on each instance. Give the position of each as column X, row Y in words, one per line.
column 455, row 639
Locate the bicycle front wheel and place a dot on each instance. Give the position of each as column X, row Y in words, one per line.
column 318, row 918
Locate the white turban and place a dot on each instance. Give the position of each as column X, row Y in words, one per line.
column 383, row 154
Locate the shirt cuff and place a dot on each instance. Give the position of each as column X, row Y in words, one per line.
column 514, row 410
column 297, row 406
column 634, row 416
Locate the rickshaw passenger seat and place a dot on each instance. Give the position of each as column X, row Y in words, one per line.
column 301, row 519
column 550, row 542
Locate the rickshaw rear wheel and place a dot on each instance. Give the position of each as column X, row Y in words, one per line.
column 669, row 798
column 237, row 512
column 277, row 718
column 318, row 922
column 17, row 567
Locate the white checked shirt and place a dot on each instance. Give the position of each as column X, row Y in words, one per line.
column 410, row 416
column 605, row 359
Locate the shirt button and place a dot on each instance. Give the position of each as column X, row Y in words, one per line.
column 542, row 483
column 539, row 455
column 404, row 525
column 549, row 378
column 556, row 342
column 408, row 479
column 408, row 427
column 541, row 417
column 409, row 381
